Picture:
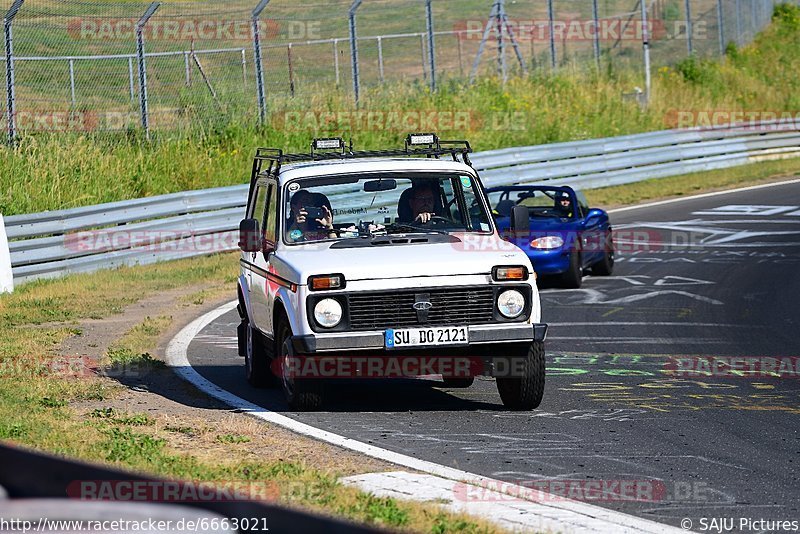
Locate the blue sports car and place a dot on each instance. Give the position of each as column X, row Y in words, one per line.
column 566, row 237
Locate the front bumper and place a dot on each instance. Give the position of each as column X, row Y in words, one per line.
column 482, row 339
column 549, row 262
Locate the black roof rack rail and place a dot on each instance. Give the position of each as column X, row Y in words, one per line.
column 269, row 160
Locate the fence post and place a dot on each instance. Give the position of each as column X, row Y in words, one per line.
column 689, row 26
column 6, row 275
column 142, row 67
column 596, row 17
column 187, row 72
column 72, row 82
column 431, row 44
column 244, row 67
column 10, row 80
column 646, row 50
column 422, row 56
column 131, row 88
column 354, row 47
column 739, row 22
column 262, row 99
column 291, row 70
column 336, row 60
column 380, row 57
column 721, row 27
column 501, row 45
column 551, row 18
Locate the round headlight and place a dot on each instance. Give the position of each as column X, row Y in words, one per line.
column 328, row 313
column 547, row 243
column 511, row 303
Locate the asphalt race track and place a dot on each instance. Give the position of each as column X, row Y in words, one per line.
column 714, row 276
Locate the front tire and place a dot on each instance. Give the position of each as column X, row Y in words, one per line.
column 256, row 363
column 302, row 394
column 605, row 267
column 573, row 277
column 525, row 392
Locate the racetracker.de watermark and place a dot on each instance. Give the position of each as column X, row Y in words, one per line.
column 192, row 29
column 171, row 491
column 756, row 121
column 551, row 490
column 733, row 367
column 606, row 30
column 76, row 366
column 95, row 241
column 409, row 120
column 74, row 121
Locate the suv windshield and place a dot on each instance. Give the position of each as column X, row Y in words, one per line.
column 344, row 207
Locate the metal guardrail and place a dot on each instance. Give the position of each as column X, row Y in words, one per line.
column 200, row 222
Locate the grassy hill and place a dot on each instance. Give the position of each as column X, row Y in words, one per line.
column 65, row 170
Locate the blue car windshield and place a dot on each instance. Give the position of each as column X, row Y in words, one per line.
column 541, row 202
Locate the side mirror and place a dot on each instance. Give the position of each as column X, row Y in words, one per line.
column 249, row 235
column 520, row 220
column 593, row 217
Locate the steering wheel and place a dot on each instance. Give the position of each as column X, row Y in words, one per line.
column 438, row 220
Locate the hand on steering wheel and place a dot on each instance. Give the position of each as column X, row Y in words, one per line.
column 430, row 218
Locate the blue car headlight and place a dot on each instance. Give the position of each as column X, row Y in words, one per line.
column 547, row 243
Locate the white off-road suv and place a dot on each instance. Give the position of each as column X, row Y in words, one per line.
column 384, row 263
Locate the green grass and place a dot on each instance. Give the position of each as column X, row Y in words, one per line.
column 40, row 403
column 54, row 171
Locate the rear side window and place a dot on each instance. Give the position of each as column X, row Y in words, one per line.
column 259, row 205
column 271, row 215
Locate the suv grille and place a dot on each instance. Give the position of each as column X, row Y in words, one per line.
column 394, row 309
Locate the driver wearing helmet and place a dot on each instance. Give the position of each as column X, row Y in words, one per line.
column 564, row 204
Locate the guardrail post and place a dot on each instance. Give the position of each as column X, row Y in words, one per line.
column 6, row 276
column 431, row 43
column 596, row 17
column 11, row 96
column 689, row 26
column 354, row 48
column 262, row 98
column 646, row 50
column 143, row 67
column 551, row 19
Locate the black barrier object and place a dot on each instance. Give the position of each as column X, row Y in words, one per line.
column 26, row 474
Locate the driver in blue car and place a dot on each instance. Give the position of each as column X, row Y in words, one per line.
column 564, row 205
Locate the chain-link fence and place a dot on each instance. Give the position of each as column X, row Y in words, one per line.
column 130, row 65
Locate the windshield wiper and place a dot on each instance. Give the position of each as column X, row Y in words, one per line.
column 391, row 228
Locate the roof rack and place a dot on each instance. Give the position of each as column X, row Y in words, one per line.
column 269, row 160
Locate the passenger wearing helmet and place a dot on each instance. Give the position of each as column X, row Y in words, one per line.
column 563, row 205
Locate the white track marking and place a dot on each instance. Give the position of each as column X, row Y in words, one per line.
column 515, row 514
column 704, row 195
column 562, row 515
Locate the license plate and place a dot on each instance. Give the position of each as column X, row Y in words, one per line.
column 413, row 337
